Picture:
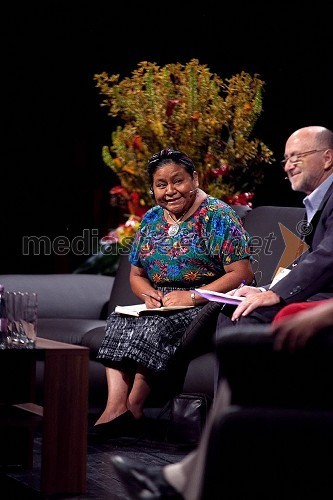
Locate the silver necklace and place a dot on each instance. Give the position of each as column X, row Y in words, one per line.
column 174, row 228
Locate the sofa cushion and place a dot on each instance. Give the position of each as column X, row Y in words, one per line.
column 64, row 295
column 121, row 293
column 200, row 375
column 93, row 339
column 66, row 330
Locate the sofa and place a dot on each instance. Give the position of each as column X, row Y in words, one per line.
column 69, row 307
column 73, row 307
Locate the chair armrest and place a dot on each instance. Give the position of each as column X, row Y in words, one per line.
column 259, row 376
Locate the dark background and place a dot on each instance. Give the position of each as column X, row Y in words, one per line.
column 53, row 180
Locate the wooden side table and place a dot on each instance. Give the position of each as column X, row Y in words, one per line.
column 64, row 412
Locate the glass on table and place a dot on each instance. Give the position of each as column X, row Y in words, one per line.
column 22, row 314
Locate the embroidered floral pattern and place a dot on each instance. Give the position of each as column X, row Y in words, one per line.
column 208, row 240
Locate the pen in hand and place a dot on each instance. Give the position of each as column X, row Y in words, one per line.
column 243, row 283
column 151, row 297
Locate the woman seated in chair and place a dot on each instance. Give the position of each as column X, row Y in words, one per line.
column 188, row 240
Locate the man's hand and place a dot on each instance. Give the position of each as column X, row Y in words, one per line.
column 253, row 300
column 245, row 291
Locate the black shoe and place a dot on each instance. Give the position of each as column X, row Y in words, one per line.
column 123, row 426
column 142, row 482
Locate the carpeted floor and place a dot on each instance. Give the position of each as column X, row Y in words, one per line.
column 151, row 449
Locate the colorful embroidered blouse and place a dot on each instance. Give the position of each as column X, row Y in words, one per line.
column 209, row 239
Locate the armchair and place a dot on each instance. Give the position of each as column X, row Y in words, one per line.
column 274, row 439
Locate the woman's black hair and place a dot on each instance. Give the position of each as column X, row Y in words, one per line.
column 168, row 156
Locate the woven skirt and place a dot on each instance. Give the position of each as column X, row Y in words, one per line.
column 149, row 341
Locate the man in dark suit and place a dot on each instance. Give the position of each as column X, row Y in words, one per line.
column 308, row 163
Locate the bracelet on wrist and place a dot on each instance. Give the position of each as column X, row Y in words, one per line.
column 193, row 298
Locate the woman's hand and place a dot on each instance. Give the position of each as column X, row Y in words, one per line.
column 153, row 299
column 178, row 298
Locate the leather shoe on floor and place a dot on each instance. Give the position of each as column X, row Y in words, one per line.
column 143, row 482
column 123, row 426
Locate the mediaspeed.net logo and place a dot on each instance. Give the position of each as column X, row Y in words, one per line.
column 88, row 244
column 294, row 245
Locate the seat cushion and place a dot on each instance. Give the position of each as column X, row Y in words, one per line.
column 70, row 331
column 200, row 375
column 93, row 339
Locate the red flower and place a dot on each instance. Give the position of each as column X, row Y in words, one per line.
column 240, row 199
column 170, row 106
column 120, row 190
column 196, row 116
column 137, row 142
column 135, row 207
column 221, row 170
column 134, row 204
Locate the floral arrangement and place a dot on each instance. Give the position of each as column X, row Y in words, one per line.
column 111, row 246
column 184, row 107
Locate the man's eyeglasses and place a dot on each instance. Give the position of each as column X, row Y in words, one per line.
column 295, row 158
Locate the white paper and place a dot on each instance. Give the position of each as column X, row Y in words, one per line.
column 225, row 298
column 281, row 273
column 138, row 309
